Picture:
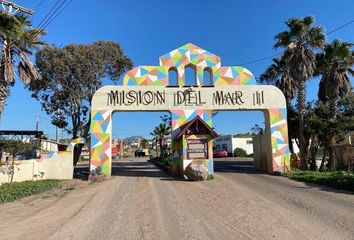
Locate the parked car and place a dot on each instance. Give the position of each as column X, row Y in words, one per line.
column 220, row 154
column 140, row 153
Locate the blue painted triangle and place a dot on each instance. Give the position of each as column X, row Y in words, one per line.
column 209, row 63
column 131, row 82
column 160, row 75
column 98, row 117
column 143, row 71
column 194, row 56
column 234, row 72
column 94, row 140
column 193, row 115
column 104, row 127
column 183, row 51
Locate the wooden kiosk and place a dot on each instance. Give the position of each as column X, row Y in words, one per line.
column 197, row 147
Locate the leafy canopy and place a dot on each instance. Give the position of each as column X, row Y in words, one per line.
column 70, row 77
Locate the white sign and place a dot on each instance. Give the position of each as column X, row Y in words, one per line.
column 121, row 98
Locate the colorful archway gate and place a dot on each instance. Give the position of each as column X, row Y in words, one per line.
column 146, row 88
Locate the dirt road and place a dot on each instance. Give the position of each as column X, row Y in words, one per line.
column 141, row 202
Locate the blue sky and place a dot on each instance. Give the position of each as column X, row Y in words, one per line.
column 237, row 31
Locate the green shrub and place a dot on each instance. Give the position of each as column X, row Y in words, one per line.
column 239, row 152
column 210, row 177
column 339, row 179
column 20, row 190
column 164, row 159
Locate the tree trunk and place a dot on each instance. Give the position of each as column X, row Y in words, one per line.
column 12, row 170
column 301, row 108
column 78, row 148
column 333, row 104
column 323, row 159
column 334, row 108
column 303, row 160
column 77, row 153
column 291, row 145
column 332, row 164
column 4, row 92
column 160, row 144
column 313, row 152
column 156, row 147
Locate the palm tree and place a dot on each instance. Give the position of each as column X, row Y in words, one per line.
column 144, row 143
column 160, row 132
column 334, row 65
column 17, row 41
column 300, row 41
column 278, row 74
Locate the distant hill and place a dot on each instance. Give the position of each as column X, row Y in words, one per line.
column 133, row 139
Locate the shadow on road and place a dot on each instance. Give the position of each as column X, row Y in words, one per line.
column 125, row 167
column 232, row 165
column 136, row 168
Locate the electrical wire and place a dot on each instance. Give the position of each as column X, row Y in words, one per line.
column 45, row 26
column 270, row 57
column 45, row 18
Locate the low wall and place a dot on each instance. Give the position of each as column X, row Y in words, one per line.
column 260, row 152
column 343, row 156
column 56, row 165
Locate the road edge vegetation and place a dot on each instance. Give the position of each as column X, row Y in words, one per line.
column 17, row 190
column 338, row 179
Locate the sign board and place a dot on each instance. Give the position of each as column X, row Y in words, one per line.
column 197, row 149
column 124, row 98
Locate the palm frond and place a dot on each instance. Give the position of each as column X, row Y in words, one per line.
column 27, row 68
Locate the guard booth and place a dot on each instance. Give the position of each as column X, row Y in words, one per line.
column 196, row 141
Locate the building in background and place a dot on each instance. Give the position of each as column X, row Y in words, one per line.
column 231, row 142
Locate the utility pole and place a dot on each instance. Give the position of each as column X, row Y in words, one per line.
column 56, row 134
column 12, row 8
column 37, row 122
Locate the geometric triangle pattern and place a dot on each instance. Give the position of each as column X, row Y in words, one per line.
column 100, row 144
column 279, row 140
column 188, row 55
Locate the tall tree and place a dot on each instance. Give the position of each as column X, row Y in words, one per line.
column 300, row 41
column 334, row 65
column 70, row 77
column 18, row 40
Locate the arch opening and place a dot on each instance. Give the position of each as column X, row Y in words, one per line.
column 173, row 77
column 190, row 75
column 133, row 144
column 208, row 77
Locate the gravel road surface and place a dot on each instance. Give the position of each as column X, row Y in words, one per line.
column 141, row 202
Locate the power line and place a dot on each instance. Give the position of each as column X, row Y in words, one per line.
column 260, row 59
column 348, row 23
column 44, row 19
column 269, row 57
column 58, row 14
